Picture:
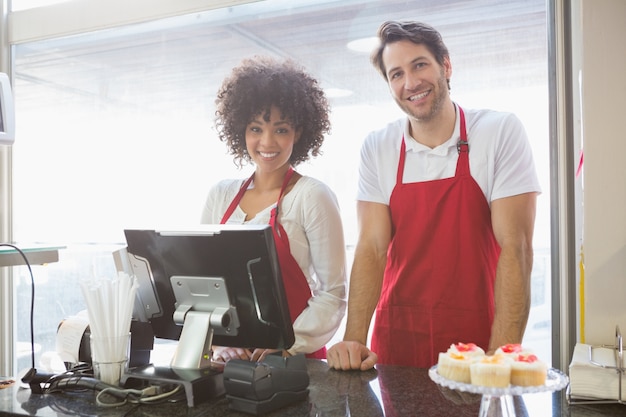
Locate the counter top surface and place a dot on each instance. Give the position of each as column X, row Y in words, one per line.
column 390, row 391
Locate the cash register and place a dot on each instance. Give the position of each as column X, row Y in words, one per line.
column 215, row 284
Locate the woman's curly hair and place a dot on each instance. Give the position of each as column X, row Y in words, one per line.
column 255, row 86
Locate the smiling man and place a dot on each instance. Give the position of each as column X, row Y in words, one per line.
column 446, row 211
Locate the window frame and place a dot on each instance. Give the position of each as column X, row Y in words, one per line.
column 55, row 21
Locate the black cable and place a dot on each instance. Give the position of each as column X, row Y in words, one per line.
column 132, row 410
column 32, row 302
column 74, row 382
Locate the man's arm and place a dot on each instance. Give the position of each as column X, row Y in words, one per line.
column 513, row 220
column 366, row 277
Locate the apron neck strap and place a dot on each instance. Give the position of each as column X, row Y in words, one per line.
column 462, row 145
column 286, row 180
column 233, row 204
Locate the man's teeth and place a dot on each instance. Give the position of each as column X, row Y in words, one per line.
column 418, row 96
column 268, row 155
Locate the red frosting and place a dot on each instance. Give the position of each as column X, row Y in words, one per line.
column 511, row 348
column 527, row 358
column 465, row 347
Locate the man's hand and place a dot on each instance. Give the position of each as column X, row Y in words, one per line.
column 350, row 355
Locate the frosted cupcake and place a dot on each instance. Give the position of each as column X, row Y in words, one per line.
column 455, row 363
column 528, row 371
column 491, row 371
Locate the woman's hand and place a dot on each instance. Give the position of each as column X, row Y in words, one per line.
column 224, row 353
column 259, row 355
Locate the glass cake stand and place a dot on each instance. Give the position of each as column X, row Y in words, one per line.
column 499, row 401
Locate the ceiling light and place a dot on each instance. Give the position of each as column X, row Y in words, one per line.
column 363, row 44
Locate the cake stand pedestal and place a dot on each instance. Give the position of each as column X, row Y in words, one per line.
column 498, row 402
column 494, row 405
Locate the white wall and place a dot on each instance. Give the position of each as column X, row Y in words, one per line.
column 603, row 70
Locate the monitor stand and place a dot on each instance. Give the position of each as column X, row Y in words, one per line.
column 199, row 384
column 191, row 365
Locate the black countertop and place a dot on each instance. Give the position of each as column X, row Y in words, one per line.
column 389, row 391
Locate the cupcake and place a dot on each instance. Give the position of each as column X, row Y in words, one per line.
column 491, row 371
column 455, row 363
column 527, row 370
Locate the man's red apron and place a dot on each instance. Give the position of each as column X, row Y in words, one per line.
column 296, row 286
column 439, row 280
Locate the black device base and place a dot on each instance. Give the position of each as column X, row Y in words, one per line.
column 258, row 407
column 200, row 384
column 261, row 387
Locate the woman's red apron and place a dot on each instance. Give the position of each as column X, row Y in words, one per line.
column 296, row 286
column 439, row 280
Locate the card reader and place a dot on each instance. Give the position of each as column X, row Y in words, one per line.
column 260, row 387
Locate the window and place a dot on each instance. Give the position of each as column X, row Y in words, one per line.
column 116, row 126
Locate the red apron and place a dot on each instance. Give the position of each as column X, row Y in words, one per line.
column 296, row 286
column 438, row 287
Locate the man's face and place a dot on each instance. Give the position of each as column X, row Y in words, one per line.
column 417, row 82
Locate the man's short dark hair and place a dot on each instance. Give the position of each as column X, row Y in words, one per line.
column 416, row 32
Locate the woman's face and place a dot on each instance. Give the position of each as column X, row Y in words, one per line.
column 270, row 143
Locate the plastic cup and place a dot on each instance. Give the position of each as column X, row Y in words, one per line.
column 109, row 357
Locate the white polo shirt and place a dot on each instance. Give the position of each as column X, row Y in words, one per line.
column 500, row 157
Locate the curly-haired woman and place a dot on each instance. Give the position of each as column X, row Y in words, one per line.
column 273, row 114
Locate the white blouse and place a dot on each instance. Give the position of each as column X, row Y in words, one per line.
column 309, row 213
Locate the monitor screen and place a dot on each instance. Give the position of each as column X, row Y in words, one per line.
column 7, row 114
column 228, row 272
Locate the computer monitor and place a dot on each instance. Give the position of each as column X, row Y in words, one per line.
column 7, row 112
column 213, row 284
